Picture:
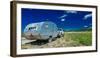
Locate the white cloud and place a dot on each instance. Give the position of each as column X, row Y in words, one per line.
column 87, row 16
column 63, row 16
column 63, row 19
column 85, row 26
column 71, row 11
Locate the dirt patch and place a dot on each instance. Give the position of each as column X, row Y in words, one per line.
column 59, row 42
column 69, row 40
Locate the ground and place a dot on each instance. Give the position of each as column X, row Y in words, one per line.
column 70, row 39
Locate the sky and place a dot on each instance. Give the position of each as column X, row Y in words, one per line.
column 65, row 19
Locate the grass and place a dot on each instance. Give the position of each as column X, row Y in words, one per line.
column 79, row 38
column 70, row 39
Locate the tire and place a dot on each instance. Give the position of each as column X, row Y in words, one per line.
column 58, row 36
column 50, row 39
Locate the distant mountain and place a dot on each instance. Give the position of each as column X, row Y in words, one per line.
column 80, row 29
column 87, row 29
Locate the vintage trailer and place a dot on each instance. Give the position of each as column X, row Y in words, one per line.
column 41, row 31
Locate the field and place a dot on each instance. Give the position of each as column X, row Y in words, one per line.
column 70, row 39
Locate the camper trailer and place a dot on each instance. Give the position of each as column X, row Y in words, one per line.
column 42, row 31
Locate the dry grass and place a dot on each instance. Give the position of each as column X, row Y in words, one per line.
column 71, row 39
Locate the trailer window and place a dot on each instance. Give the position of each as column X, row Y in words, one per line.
column 32, row 28
column 46, row 26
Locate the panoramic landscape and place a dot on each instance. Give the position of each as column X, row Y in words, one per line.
column 76, row 28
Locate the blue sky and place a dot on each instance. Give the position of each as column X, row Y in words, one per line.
column 66, row 19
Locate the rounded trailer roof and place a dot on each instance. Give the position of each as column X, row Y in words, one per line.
column 38, row 24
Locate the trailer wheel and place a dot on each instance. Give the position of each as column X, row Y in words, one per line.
column 58, row 36
column 50, row 39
